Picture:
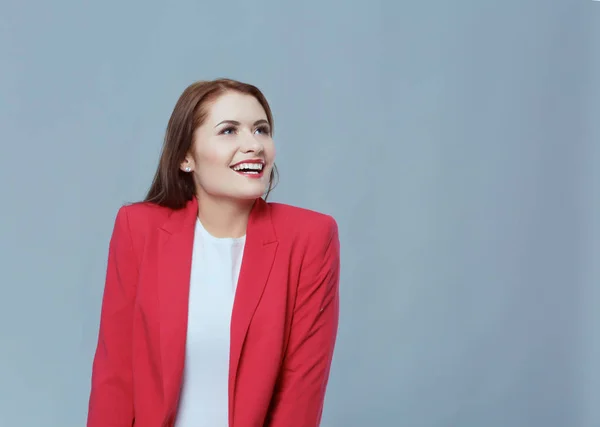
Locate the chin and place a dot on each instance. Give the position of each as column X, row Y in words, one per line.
column 249, row 193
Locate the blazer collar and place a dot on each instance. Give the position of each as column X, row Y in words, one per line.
column 259, row 222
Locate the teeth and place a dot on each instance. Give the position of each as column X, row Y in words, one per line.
column 252, row 166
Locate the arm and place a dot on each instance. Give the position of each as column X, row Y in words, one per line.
column 111, row 399
column 298, row 398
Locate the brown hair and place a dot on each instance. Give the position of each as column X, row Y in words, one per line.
column 171, row 187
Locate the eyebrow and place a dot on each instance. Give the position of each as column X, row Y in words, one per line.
column 236, row 123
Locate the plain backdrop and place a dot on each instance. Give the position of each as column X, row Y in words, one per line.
column 455, row 142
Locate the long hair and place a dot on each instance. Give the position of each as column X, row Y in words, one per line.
column 171, row 187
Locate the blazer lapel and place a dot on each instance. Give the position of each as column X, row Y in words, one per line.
column 174, row 270
column 259, row 254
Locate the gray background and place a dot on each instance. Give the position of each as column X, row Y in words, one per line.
column 456, row 143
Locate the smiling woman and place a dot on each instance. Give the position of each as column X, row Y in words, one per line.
column 220, row 309
column 225, row 120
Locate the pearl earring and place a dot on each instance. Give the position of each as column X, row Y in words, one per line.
column 188, row 169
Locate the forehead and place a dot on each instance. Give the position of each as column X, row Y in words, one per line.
column 236, row 106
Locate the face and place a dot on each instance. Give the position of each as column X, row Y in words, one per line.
column 232, row 154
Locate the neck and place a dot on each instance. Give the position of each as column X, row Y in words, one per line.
column 224, row 218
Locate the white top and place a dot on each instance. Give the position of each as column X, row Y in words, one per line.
column 215, row 269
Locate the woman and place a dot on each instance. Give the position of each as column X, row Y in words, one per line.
column 219, row 309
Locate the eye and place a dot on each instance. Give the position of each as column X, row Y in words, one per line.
column 264, row 130
column 230, row 130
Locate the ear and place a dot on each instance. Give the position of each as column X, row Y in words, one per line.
column 188, row 164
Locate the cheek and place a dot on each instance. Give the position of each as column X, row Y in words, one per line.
column 270, row 151
column 213, row 174
column 213, row 157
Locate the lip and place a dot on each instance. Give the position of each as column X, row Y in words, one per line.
column 251, row 175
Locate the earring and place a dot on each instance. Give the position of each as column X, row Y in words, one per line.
column 188, row 169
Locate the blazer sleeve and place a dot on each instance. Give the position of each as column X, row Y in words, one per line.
column 299, row 396
column 111, row 398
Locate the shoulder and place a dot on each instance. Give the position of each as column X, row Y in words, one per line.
column 300, row 223
column 146, row 211
column 312, row 239
column 139, row 217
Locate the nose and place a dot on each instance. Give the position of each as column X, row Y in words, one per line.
column 251, row 144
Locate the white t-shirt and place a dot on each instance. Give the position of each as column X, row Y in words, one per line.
column 215, row 269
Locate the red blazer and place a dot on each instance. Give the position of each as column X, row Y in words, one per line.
column 283, row 328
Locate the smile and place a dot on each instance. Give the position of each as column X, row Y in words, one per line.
column 252, row 170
